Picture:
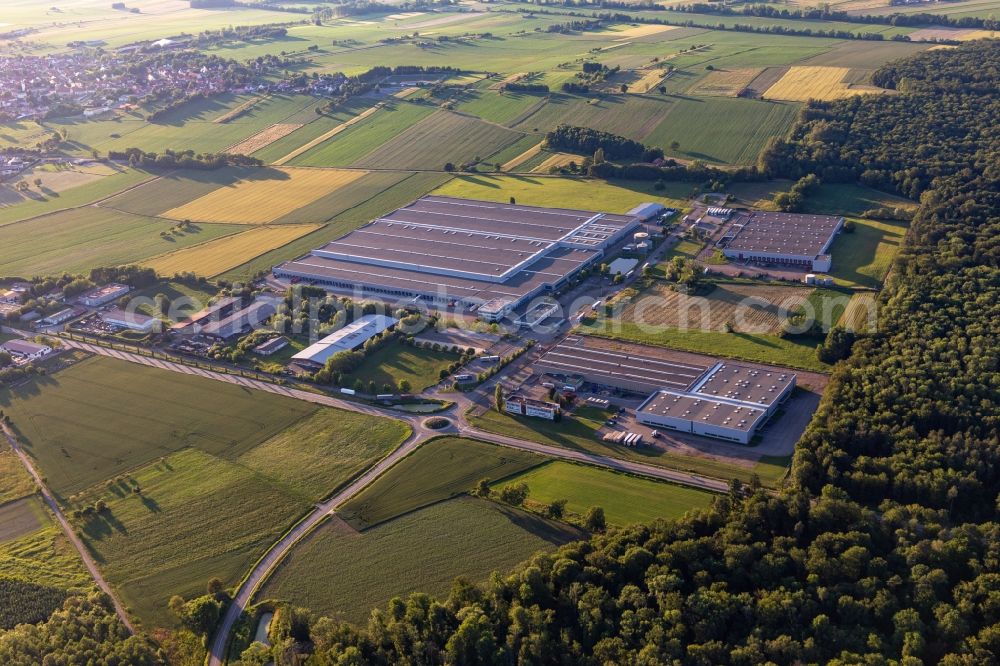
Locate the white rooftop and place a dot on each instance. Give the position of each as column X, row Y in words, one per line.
column 347, row 338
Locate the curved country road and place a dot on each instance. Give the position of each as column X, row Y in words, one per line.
column 266, row 565
column 88, row 561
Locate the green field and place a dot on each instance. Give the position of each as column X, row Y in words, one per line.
column 21, row 517
column 578, row 431
column 359, row 139
column 328, row 449
column 440, row 138
column 719, row 129
column 397, row 361
column 438, row 470
column 625, row 499
column 198, row 517
column 626, row 115
column 77, row 240
column 505, row 108
column 44, row 556
column 758, row 347
column 15, row 482
column 190, row 126
column 103, row 417
column 344, row 574
column 73, row 197
column 583, row 193
column 185, row 299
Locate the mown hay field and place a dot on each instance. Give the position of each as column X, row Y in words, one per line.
column 21, row 517
column 556, row 160
column 103, row 417
column 725, row 83
column 440, row 138
column 260, row 201
column 345, row 574
column 861, row 314
column 223, row 254
column 579, row 193
column 800, row 84
column 84, row 238
column 625, row 499
column 263, row 138
column 744, row 308
column 438, row 470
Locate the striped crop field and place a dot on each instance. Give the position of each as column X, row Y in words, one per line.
column 800, row 84
column 725, row 83
column 223, row 254
column 259, row 201
column 263, row 138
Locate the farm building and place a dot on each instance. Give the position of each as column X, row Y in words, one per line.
column 347, row 338
column 100, row 295
column 793, row 239
column 516, row 404
column 24, row 350
column 272, row 346
column 214, row 312
column 242, row 320
column 132, row 321
column 687, row 392
column 445, row 250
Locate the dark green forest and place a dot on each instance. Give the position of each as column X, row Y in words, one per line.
column 884, row 546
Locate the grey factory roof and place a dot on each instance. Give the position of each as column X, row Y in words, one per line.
column 759, row 386
column 498, row 218
column 597, row 359
column 347, row 338
column 705, row 410
column 783, row 233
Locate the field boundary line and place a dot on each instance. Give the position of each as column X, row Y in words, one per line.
column 281, row 161
column 523, row 157
column 88, row 561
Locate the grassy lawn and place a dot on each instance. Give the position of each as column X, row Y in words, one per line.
column 863, row 258
column 395, row 362
column 328, row 449
column 185, row 299
column 581, row 193
column 103, row 417
column 344, row 574
column 625, row 499
column 760, row 348
column 198, row 517
column 438, row 470
column 578, row 430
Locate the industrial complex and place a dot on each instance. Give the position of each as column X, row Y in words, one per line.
column 492, row 256
column 782, row 238
column 720, row 399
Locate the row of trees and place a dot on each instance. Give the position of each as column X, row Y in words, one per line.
column 183, row 159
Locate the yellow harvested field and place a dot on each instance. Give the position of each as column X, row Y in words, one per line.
column 254, row 201
column 557, row 160
column 634, row 32
column 327, row 135
column 648, row 80
column 405, row 92
column 508, row 79
column 800, row 84
column 959, row 34
column 522, row 158
column 725, row 83
column 262, row 138
column 223, row 254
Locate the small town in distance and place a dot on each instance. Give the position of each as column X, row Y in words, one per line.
column 478, row 333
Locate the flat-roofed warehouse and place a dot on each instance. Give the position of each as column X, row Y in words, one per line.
column 785, row 238
column 624, row 366
column 443, row 249
column 686, row 392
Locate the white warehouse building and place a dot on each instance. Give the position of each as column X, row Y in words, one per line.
column 348, row 338
column 793, row 239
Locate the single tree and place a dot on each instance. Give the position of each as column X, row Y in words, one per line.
column 557, row 509
column 595, row 521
